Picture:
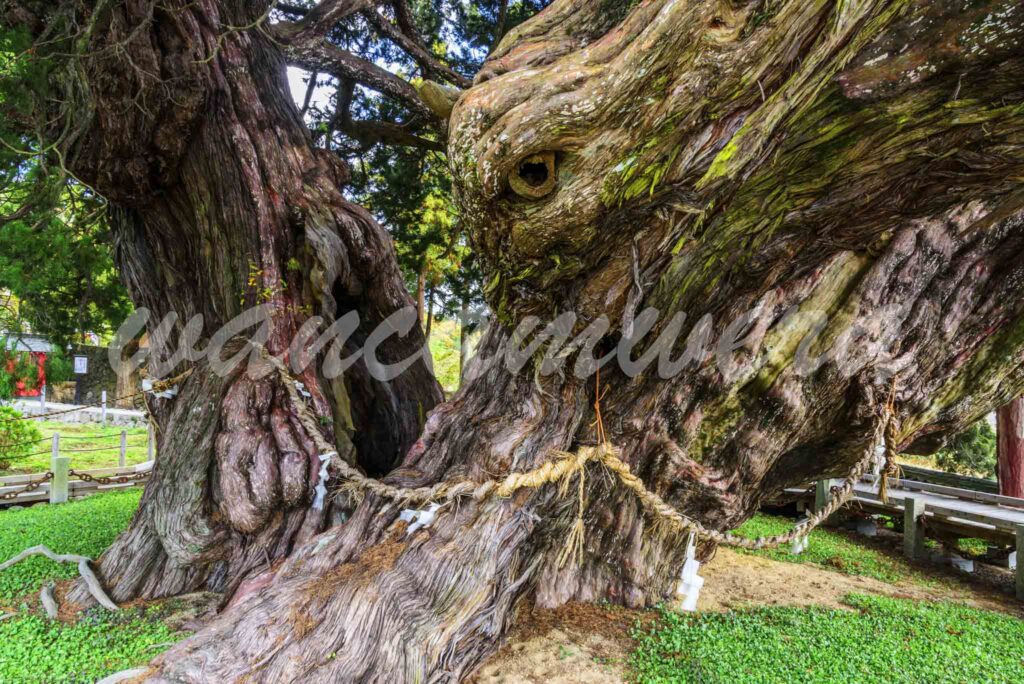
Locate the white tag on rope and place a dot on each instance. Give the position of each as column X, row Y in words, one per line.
column 321, row 485
column 169, row 393
column 419, row 519
column 800, row 544
column 690, row 582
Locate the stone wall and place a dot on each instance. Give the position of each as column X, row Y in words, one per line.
column 100, row 375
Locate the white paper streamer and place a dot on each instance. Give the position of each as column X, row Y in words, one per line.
column 800, row 544
column 147, row 387
column 690, row 582
column 419, row 519
column 321, row 485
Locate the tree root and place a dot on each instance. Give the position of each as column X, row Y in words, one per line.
column 95, row 588
column 49, row 603
column 124, row 676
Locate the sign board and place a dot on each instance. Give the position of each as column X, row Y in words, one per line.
column 81, row 365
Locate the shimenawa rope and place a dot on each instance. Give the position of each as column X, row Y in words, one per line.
column 559, row 469
column 564, row 465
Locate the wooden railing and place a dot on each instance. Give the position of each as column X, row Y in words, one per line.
column 63, row 483
column 928, row 507
column 939, row 477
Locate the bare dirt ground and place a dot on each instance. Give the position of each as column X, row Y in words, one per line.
column 588, row 643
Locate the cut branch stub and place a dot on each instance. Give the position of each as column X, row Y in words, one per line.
column 438, row 98
column 534, row 176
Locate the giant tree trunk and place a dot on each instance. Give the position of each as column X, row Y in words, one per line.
column 855, row 160
column 220, row 203
column 1010, row 448
column 809, row 176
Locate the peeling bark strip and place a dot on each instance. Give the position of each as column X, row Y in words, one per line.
column 712, row 157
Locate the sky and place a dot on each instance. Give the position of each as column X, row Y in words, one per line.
column 297, row 82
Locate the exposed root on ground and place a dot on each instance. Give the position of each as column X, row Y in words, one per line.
column 46, row 595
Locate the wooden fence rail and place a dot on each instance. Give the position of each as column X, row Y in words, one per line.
column 67, row 484
column 928, row 507
column 62, row 482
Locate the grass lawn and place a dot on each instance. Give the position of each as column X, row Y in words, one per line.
column 34, row 649
column 828, row 549
column 882, row 640
column 88, row 444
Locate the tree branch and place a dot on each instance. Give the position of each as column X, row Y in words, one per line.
column 499, row 27
column 431, row 67
column 320, row 55
column 370, row 133
column 317, row 23
column 404, row 35
column 310, row 88
column 403, row 17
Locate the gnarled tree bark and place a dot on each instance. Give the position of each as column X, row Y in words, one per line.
column 795, row 177
column 221, row 203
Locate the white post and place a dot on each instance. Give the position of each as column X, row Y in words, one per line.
column 103, row 413
column 60, row 465
column 124, row 449
column 42, row 397
column 913, row 533
column 149, row 443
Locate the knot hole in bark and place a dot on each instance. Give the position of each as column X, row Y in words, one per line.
column 534, row 176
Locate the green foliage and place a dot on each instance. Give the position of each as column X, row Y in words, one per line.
column 882, row 640
column 972, row 546
column 972, row 452
column 57, row 261
column 828, row 549
column 101, row 643
column 409, row 188
column 59, row 367
column 85, row 526
column 409, row 191
column 18, row 438
column 55, row 256
column 478, row 26
column 444, row 350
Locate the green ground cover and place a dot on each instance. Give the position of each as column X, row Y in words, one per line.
column 829, row 549
column 34, row 649
column 881, row 640
column 84, row 526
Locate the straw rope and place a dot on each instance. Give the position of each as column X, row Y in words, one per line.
column 560, row 469
column 891, row 469
column 158, row 386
